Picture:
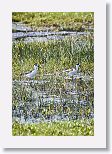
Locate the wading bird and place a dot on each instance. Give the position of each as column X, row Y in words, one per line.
column 32, row 73
column 74, row 71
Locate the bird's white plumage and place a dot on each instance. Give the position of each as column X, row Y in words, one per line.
column 74, row 71
column 32, row 73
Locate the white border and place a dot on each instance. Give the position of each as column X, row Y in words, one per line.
column 99, row 9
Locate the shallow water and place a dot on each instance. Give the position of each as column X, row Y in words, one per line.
column 27, row 34
column 52, row 100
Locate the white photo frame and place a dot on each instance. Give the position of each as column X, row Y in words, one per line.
column 99, row 138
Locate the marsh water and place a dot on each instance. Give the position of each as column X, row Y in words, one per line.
column 54, row 96
column 28, row 34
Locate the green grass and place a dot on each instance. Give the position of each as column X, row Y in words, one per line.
column 65, row 128
column 77, row 21
column 54, row 56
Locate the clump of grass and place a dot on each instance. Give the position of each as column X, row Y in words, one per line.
column 71, row 21
column 83, row 127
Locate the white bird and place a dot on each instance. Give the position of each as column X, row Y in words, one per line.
column 32, row 73
column 74, row 71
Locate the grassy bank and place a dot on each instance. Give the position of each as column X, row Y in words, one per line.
column 70, row 21
column 65, row 128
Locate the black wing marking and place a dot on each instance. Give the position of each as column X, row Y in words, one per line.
column 25, row 73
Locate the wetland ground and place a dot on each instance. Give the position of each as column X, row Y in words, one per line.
column 53, row 104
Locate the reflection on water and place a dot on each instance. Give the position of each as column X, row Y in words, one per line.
column 53, row 98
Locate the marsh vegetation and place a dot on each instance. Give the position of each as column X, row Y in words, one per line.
column 53, row 103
